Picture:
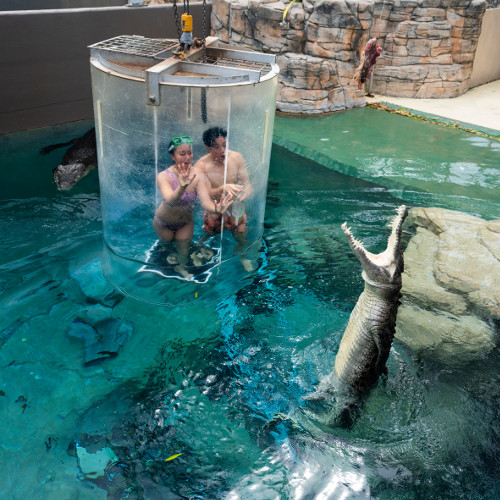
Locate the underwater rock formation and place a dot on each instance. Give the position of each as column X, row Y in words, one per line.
column 103, row 335
column 451, row 285
column 427, row 50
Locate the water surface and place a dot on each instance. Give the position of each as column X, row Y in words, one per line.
column 199, row 382
column 422, row 162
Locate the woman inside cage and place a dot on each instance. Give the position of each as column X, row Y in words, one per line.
column 180, row 186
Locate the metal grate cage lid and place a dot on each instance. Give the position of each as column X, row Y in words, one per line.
column 229, row 62
column 136, row 45
column 158, row 62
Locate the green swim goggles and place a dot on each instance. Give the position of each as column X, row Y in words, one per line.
column 177, row 141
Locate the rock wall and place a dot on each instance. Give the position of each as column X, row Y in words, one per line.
column 450, row 309
column 428, row 46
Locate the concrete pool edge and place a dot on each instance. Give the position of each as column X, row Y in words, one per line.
column 479, row 106
column 437, row 119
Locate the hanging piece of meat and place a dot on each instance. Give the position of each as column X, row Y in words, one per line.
column 370, row 54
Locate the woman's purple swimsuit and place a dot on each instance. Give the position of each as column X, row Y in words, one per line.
column 185, row 199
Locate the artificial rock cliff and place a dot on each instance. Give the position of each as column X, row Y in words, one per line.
column 450, row 306
column 428, row 46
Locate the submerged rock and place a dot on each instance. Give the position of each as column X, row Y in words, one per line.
column 103, row 334
column 451, row 285
column 93, row 284
column 94, row 465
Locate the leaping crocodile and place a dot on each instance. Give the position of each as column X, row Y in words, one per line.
column 367, row 340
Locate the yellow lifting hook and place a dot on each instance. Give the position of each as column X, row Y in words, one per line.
column 186, row 22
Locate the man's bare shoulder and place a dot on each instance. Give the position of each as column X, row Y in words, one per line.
column 203, row 164
column 235, row 155
column 235, row 158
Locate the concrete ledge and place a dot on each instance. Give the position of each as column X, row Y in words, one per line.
column 45, row 77
column 57, row 4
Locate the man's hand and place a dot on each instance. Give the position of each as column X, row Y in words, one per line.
column 232, row 189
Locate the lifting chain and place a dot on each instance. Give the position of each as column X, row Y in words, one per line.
column 204, row 31
column 184, row 29
column 179, row 32
column 204, row 35
column 177, row 22
column 204, row 104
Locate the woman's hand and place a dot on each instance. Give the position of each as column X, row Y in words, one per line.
column 184, row 174
column 224, row 203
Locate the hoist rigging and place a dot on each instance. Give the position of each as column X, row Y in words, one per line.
column 184, row 27
column 186, row 41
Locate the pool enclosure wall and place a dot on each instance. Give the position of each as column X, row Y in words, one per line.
column 45, row 77
column 141, row 101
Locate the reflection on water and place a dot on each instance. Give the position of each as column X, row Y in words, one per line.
column 183, row 402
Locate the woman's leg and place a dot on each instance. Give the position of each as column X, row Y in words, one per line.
column 163, row 233
column 183, row 238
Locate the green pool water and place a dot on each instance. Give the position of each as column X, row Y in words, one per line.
column 181, row 408
column 420, row 162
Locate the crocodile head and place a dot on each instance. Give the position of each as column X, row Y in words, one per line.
column 384, row 268
column 66, row 176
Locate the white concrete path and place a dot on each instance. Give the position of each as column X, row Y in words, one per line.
column 479, row 106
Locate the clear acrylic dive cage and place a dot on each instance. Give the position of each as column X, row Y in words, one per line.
column 143, row 97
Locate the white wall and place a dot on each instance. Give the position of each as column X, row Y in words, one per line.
column 486, row 66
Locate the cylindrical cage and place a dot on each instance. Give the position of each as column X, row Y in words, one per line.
column 141, row 102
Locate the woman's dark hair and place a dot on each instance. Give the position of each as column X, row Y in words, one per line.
column 211, row 134
column 171, row 147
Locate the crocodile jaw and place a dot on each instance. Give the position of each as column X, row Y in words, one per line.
column 386, row 267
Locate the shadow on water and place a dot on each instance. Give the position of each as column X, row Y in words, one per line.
column 183, row 406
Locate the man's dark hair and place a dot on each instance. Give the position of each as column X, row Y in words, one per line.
column 211, row 134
